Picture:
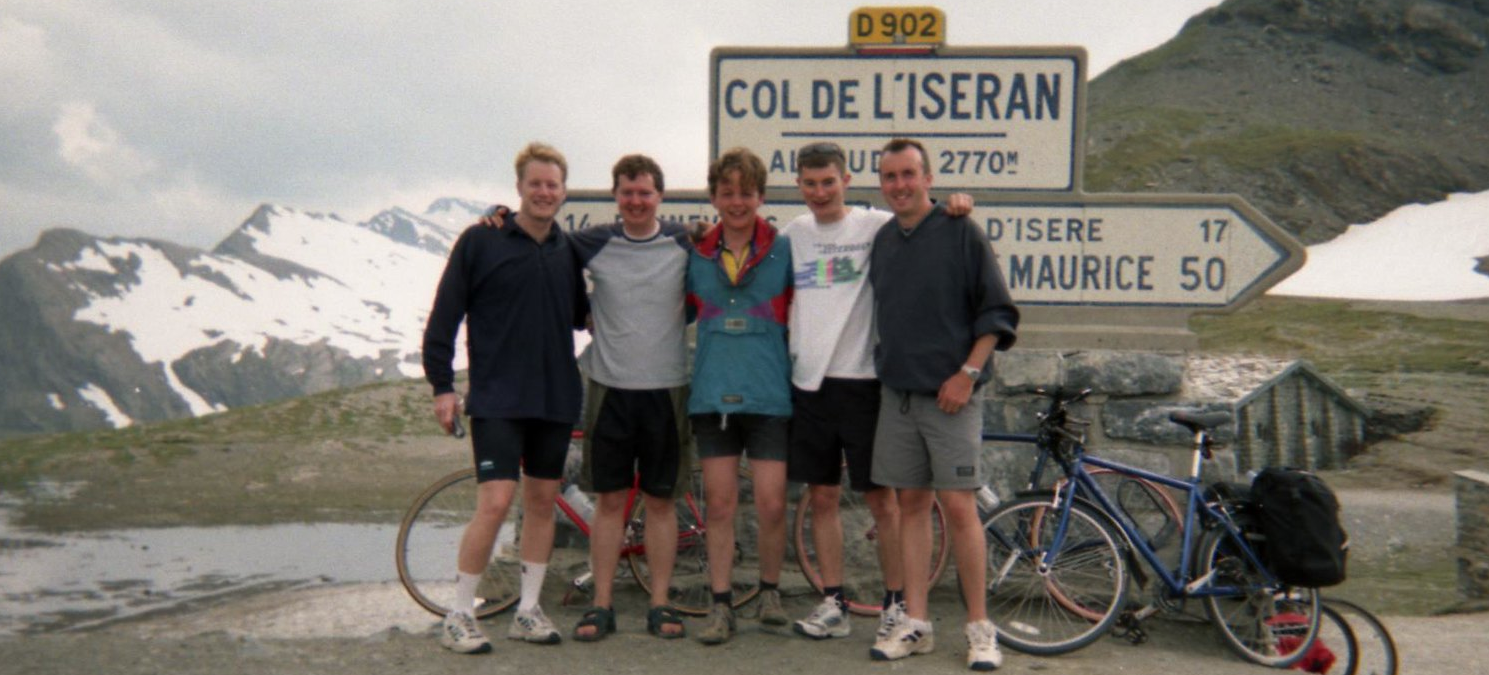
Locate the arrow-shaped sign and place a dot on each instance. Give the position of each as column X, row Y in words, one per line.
column 1126, row 250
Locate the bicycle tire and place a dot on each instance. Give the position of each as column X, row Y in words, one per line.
column 1091, row 570
column 429, row 538
column 690, row 592
column 1266, row 624
column 1376, row 647
column 863, row 580
column 1337, row 646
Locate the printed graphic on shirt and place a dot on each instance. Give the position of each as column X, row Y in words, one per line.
column 834, row 264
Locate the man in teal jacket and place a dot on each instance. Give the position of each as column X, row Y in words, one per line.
column 739, row 284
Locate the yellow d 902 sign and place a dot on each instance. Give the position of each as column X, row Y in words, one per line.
column 897, row 26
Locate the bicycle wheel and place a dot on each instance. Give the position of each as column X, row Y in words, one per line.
column 690, row 591
column 863, row 580
column 1336, row 649
column 1028, row 598
column 1376, row 649
column 1262, row 623
column 429, row 539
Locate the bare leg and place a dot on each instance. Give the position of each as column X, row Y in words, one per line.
column 721, row 495
column 537, row 519
column 969, row 546
column 827, row 532
column 885, row 508
column 770, row 510
column 661, row 550
column 607, row 530
column 493, row 499
column 915, row 547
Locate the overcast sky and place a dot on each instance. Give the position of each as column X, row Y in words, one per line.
column 173, row 120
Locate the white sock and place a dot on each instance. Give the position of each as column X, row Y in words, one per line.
column 465, row 592
column 532, row 584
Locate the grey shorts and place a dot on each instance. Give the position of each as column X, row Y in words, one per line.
column 917, row 446
column 756, row 436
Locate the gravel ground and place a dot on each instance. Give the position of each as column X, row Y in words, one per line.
column 373, row 628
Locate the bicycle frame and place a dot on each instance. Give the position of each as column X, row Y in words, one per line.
column 1176, row 581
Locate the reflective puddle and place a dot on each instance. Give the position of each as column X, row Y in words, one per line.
column 58, row 582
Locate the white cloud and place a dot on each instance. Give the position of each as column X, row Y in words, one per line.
column 115, row 107
column 87, row 142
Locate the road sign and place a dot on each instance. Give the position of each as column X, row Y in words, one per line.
column 587, row 208
column 873, row 26
column 1134, row 250
column 991, row 119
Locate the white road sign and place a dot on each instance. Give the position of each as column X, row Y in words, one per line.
column 1196, row 251
column 991, row 119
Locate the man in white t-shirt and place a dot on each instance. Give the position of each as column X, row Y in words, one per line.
column 835, row 391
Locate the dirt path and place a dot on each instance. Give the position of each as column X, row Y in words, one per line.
column 1429, row 646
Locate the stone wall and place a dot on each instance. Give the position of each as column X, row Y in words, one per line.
column 1285, row 413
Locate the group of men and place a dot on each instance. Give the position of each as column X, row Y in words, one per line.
column 849, row 333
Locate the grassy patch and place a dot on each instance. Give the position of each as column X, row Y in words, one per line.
column 1189, row 42
column 374, row 412
column 1260, row 148
column 1342, row 339
column 1157, row 138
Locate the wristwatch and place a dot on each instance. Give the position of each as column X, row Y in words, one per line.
column 971, row 372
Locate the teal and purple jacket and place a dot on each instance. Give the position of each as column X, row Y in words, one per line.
column 741, row 365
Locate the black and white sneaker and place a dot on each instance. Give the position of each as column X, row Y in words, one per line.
column 828, row 620
column 912, row 636
column 532, row 625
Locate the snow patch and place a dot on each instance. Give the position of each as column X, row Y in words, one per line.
column 56, row 402
column 1417, row 252
column 100, row 399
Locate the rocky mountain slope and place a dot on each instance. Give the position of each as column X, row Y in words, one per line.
column 106, row 332
column 1321, row 113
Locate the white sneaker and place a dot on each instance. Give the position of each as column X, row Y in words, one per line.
column 911, row 636
column 826, row 621
column 982, row 646
column 460, row 634
column 532, row 626
column 889, row 619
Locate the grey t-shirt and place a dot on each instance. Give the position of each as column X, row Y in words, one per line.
column 637, row 304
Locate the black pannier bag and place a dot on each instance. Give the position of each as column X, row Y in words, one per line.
column 1299, row 517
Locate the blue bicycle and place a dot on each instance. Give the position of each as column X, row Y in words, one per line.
column 1060, row 560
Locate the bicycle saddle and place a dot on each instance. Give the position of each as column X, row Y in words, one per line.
column 1198, row 421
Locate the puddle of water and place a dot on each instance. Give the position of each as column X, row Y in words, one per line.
column 55, row 582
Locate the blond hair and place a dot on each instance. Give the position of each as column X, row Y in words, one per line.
column 541, row 152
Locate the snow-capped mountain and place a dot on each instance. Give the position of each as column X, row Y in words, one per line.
column 113, row 331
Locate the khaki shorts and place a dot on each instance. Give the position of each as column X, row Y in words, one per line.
column 918, row 446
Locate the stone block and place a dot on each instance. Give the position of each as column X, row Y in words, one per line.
column 1022, row 371
column 1125, row 373
column 1147, row 421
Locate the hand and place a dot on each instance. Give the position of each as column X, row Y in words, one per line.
column 959, row 204
column 697, row 228
column 495, row 218
column 954, row 393
column 446, row 410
